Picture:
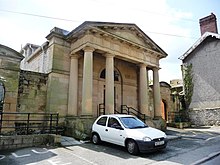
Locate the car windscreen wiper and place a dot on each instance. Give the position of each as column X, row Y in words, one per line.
column 139, row 126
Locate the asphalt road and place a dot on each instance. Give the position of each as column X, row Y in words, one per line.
column 190, row 149
column 215, row 160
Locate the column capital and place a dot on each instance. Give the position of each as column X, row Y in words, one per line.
column 142, row 65
column 88, row 49
column 156, row 68
column 107, row 55
column 76, row 56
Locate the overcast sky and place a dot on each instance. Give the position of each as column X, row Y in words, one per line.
column 172, row 24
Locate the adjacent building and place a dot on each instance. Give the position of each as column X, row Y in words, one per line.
column 204, row 57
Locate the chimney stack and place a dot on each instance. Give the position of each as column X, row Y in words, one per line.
column 208, row 24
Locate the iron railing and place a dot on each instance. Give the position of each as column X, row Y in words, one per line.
column 124, row 110
column 132, row 111
column 179, row 116
column 20, row 123
column 101, row 109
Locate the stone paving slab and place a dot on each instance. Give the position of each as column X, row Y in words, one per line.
column 69, row 141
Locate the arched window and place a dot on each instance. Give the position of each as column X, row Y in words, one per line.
column 116, row 75
column 2, row 95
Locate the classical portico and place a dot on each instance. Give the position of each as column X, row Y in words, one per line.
column 121, row 50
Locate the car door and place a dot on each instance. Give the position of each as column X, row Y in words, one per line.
column 114, row 132
column 100, row 127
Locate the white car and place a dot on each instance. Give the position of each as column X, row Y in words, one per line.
column 128, row 131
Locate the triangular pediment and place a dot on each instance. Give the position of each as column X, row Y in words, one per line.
column 122, row 31
column 131, row 35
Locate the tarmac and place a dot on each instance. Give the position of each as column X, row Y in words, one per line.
column 172, row 134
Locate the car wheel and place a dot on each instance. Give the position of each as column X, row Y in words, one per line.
column 132, row 147
column 95, row 138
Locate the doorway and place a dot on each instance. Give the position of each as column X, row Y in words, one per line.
column 117, row 89
column 164, row 110
column 2, row 96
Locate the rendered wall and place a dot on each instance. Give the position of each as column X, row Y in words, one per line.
column 205, row 65
column 205, row 104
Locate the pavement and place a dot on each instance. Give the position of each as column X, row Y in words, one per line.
column 69, row 141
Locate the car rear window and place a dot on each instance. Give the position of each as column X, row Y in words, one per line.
column 102, row 121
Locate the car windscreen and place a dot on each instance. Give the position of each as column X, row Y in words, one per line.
column 132, row 122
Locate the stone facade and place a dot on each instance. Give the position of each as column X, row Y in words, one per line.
column 32, row 92
column 96, row 63
column 167, row 102
column 205, row 117
column 22, row 141
column 9, row 78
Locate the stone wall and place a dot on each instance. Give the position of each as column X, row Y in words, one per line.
column 205, row 117
column 32, row 92
column 21, row 141
column 79, row 127
column 9, row 75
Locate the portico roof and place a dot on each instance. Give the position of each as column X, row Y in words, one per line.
column 104, row 27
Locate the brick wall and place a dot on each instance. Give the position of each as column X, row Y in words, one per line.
column 208, row 24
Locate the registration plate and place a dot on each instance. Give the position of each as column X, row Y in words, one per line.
column 159, row 143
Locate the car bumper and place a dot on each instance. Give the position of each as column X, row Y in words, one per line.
column 150, row 146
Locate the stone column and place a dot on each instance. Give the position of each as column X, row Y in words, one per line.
column 73, row 86
column 109, row 84
column 87, row 81
column 143, row 90
column 156, row 92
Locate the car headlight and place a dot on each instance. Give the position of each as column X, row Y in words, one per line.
column 165, row 136
column 146, row 139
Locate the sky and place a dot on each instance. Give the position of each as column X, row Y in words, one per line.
column 172, row 24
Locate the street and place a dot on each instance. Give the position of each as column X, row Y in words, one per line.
column 192, row 148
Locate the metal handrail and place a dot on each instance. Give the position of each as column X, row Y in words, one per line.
column 132, row 111
column 25, row 121
column 101, row 109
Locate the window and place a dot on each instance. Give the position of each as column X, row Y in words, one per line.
column 102, row 121
column 112, row 122
column 116, row 75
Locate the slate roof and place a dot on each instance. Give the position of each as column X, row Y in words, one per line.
column 198, row 42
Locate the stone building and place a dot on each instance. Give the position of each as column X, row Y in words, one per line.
column 9, row 81
column 166, row 101
column 204, row 56
column 97, row 66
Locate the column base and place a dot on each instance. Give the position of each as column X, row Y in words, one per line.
column 79, row 127
column 86, row 116
column 160, row 123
